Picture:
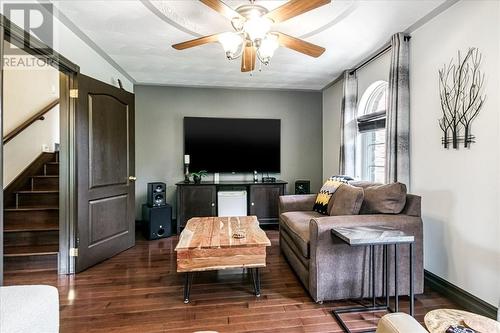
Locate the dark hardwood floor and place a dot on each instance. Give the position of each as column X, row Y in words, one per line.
column 140, row 291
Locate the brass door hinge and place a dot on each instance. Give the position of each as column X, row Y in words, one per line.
column 73, row 93
column 73, row 252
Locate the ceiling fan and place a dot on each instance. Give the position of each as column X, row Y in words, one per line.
column 252, row 37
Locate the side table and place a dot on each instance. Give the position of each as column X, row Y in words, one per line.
column 373, row 236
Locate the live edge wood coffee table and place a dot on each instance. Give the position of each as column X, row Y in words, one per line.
column 209, row 244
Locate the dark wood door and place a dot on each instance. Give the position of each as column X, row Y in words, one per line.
column 264, row 202
column 105, row 171
column 197, row 201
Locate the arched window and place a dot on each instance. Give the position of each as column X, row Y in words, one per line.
column 370, row 152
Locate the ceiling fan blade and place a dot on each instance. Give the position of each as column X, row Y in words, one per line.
column 196, row 42
column 294, row 8
column 300, row 45
column 248, row 58
column 222, row 8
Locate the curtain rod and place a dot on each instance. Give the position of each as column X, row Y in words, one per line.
column 386, row 47
column 372, row 57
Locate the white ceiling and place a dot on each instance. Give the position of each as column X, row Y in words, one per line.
column 138, row 36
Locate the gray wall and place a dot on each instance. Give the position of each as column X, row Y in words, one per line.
column 159, row 130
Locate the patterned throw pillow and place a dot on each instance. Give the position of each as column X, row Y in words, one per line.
column 326, row 192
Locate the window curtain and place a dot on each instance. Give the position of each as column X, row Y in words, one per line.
column 398, row 113
column 348, row 124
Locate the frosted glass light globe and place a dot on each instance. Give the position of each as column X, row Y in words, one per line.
column 257, row 28
column 231, row 42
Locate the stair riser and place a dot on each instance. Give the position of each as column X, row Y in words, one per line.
column 45, row 184
column 26, row 238
column 51, row 169
column 30, row 264
column 37, row 200
column 32, row 217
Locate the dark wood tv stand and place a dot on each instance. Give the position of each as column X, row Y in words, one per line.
column 197, row 200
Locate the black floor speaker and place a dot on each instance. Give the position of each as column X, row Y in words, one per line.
column 156, row 194
column 156, row 221
column 302, row 187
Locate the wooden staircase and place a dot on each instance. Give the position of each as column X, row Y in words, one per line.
column 31, row 218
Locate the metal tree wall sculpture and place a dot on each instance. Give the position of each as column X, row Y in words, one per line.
column 461, row 93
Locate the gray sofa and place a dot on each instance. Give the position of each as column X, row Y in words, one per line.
column 330, row 269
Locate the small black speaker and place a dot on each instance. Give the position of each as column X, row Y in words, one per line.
column 302, row 187
column 156, row 221
column 156, row 194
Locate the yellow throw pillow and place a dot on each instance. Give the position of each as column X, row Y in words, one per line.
column 326, row 192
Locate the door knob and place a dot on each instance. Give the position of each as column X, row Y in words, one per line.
column 253, row 204
column 213, row 204
column 132, row 178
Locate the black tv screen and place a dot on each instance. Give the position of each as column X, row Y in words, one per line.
column 232, row 145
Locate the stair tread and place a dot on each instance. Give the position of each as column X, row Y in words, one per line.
column 24, row 271
column 37, row 191
column 23, row 226
column 45, row 176
column 53, row 163
column 29, row 209
column 30, row 250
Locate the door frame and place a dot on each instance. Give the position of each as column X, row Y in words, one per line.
column 67, row 160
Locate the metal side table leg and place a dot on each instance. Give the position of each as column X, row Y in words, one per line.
column 386, row 266
column 396, row 296
column 412, row 281
column 372, row 254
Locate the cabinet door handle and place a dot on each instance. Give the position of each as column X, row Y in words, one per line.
column 253, row 204
column 213, row 204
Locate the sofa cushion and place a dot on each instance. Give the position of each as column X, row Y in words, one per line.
column 384, row 199
column 296, row 224
column 347, row 200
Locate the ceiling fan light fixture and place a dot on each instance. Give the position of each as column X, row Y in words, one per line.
column 267, row 48
column 257, row 28
column 232, row 43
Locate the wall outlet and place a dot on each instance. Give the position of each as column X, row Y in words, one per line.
column 45, row 148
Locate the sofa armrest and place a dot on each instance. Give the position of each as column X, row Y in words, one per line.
column 295, row 203
column 334, row 262
column 413, row 205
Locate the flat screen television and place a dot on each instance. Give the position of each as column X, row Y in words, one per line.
column 232, row 144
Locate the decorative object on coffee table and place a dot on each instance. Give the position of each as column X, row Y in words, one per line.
column 438, row 321
column 373, row 236
column 206, row 244
column 461, row 94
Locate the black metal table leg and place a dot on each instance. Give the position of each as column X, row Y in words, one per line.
column 386, row 266
column 188, row 281
column 257, row 282
column 412, row 296
column 372, row 250
column 396, row 296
